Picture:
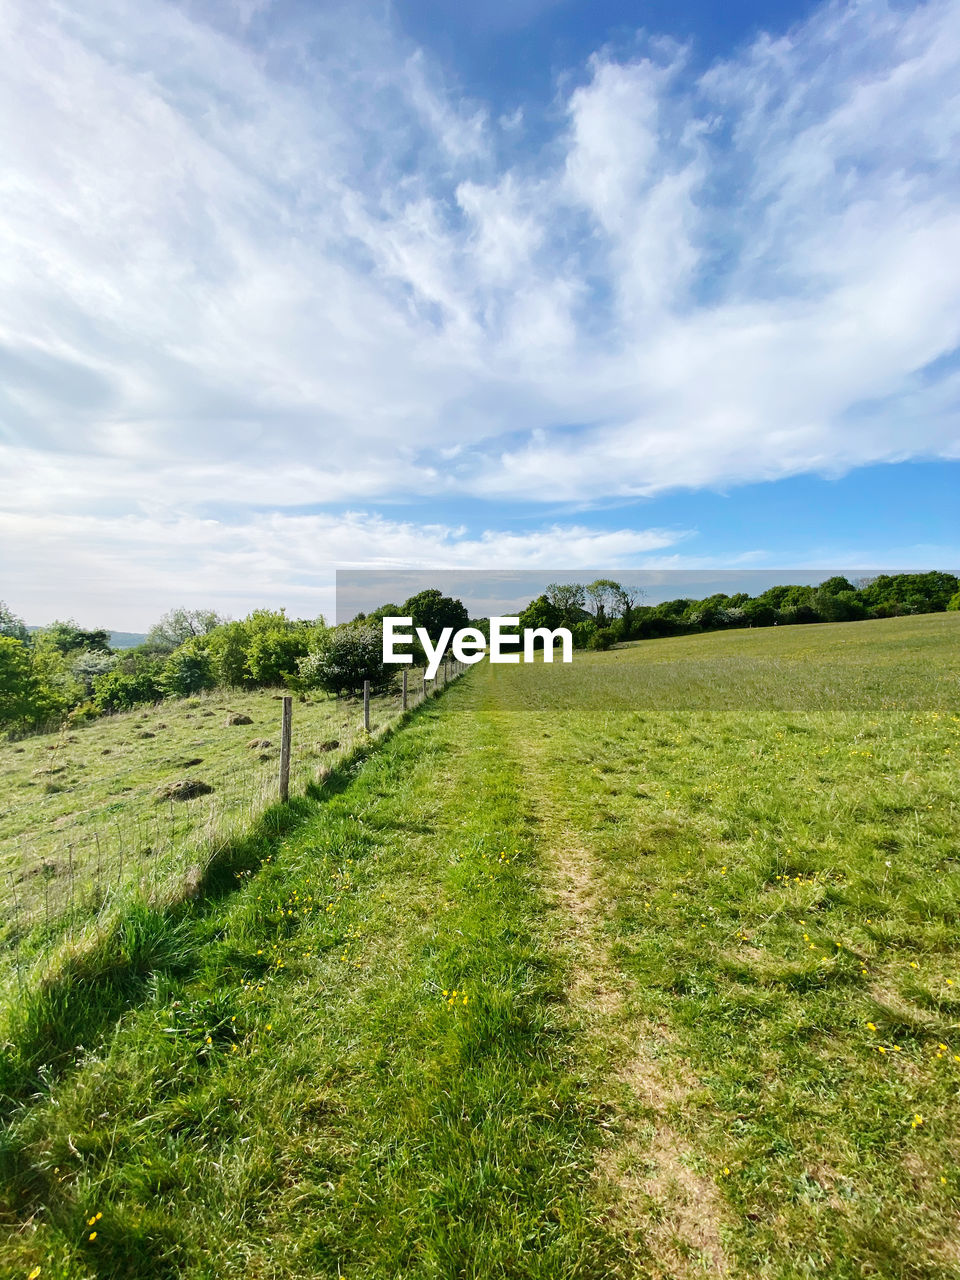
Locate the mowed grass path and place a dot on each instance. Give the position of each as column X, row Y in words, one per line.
column 763, row 909
column 357, row 1065
column 711, row 975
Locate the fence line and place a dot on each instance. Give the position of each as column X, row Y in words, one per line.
column 154, row 850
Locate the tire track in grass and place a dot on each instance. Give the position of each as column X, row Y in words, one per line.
column 671, row 1215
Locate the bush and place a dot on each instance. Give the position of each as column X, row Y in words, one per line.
column 582, row 632
column 88, row 664
column 119, row 690
column 602, row 638
column 227, row 646
column 953, row 604
column 36, row 686
column 272, row 656
column 188, row 670
column 349, row 656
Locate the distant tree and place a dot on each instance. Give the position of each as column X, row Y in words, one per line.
column 88, row 664
column 180, row 625
column 433, row 611
column 675, row 608
column 570, row 598
column 627, row 600
column 760, row 612
column 839, row 606
column 602, row 593
column 890, row 594
column 540, row 613
column 833, row 586
column 953, row 604
column 11, row 626
column 67, row 637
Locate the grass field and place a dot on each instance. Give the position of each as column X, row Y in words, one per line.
column 574, row 976
column 84, row 821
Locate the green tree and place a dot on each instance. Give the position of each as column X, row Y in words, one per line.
column 11, row 626
column 540, row 613
column 227, row 646
column 602, row 593
column 433, row 611
column 834, row 586
column 570, row 598
column 67, row 637
column 180, row 625
column 88, row 664
column 36, row 685
column 17, row 692
column 839, row 606
column 953, row 604
column 272, row 655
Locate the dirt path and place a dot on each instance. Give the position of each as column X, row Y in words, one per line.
column 671, row 1215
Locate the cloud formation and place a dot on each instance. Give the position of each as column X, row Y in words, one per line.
column 270, row 263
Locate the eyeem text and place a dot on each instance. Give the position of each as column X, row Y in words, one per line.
column 469, row 644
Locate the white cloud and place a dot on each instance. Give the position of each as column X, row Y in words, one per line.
column 149, row 564
column 270, row 271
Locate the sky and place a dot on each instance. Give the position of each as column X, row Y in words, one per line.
column 292, row 287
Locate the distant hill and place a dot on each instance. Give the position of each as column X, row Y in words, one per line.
column 127, row 639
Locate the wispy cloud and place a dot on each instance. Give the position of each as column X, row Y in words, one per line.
column 272, row 262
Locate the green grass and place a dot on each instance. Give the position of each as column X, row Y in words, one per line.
column 294, row 1090
column 83, row 825
column 673, row 927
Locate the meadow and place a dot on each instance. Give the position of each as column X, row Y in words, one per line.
column 647, row 966
column 93, row 814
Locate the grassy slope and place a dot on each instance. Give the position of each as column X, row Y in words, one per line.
column 769, row 909
column 80, row 817
column 665, row 1064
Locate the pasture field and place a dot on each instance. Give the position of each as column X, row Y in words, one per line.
column 568, row 978
column 83, row 821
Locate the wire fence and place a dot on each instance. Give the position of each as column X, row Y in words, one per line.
column 64, row 874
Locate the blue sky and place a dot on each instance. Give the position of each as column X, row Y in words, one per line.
column 289, row 287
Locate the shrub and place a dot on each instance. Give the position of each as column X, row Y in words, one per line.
column 272, row 656
column 349, row 655
column 188, row 670
column 582, row 632
column 227, row 646
column 953, row 604
column 88, row 664
column 119, row 690
column 602, row 638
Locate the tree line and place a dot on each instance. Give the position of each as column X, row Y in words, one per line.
column 602, row 613
column 65, row 673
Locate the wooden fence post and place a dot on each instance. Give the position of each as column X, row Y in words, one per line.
column 286, row 733
column 366, row 705
column 403, row 683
